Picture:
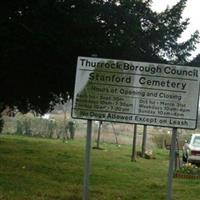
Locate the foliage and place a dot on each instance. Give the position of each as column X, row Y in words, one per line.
column 32, row 126
column 70, row 127
column 1, row 124
column 160, row 139
column 196, row 61
column 41, row 39
column 189, row 169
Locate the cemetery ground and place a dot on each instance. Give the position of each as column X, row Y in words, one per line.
column 48, row 169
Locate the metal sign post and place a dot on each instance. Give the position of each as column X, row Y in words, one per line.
column 171, row 164
column 87, row 161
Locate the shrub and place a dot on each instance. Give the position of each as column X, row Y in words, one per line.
column 160, row 139
column 19, row 128
column 1, row 123
column 27, row 127
column 188, row 168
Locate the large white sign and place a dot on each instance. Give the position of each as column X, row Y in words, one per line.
column 136, row 92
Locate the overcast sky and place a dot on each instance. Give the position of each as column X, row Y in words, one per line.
column 191, row 11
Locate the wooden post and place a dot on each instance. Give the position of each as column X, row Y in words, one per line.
column 133, row 156
column 99, row 134
column 144, row 139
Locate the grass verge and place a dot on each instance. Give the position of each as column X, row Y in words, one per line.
column 46, row 169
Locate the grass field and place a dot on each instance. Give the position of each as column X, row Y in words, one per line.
column 47, row 169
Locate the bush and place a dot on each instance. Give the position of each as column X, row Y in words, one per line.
column 161, row 139
column 19, row 128
column 188, row 168
column 1, row 124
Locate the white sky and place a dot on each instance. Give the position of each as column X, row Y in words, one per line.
column 191, row 11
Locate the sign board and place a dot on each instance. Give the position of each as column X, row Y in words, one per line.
column 136, row 92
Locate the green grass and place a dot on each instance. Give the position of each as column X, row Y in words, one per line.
column 46, row 169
